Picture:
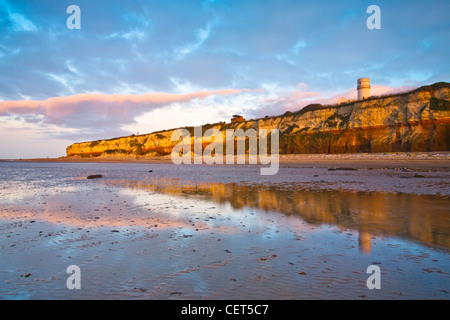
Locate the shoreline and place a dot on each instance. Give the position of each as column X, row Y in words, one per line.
column 414, row 160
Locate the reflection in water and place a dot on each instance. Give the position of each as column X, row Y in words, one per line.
column 245, row 237
column 421, row 218
column 365, row 241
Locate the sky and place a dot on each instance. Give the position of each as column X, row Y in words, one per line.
column 142, row 66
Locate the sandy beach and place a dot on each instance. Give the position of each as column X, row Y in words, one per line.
column 419, row 160
column 149, row 229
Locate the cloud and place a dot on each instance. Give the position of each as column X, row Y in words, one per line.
column 214, row 44
column 277, row 100
column 17, row 21
column 100, row 110
column 201, row 36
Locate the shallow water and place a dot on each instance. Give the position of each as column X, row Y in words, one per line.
column 222, row 232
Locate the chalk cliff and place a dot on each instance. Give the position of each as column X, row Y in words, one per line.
column 416, row 121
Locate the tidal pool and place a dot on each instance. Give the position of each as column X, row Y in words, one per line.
column 222, row 232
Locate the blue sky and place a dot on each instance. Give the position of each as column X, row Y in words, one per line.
column 142, row 66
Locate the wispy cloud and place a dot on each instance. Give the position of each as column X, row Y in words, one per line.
column 201, row 35
column 17, row 20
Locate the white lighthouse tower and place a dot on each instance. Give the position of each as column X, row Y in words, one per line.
column 363, row 88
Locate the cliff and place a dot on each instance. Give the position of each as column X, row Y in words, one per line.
column 416, row 121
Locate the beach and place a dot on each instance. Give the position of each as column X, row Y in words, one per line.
column 418, row 160
column 149, row 229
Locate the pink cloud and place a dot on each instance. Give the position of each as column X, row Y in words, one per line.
column 378, row 90
column 375, row 90
column 301, row 96
column 91, row 108
column 159, row 98
column 292, row 100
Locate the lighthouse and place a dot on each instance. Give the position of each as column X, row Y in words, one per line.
column 363, row 88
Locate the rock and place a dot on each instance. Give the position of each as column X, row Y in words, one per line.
column 95, row 176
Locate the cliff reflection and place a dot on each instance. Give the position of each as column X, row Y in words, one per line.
column 415, row 217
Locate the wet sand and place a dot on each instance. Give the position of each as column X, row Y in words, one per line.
column 221, row 232
column 416, row 160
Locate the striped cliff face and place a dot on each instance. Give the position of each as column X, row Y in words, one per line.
column 415, row 121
